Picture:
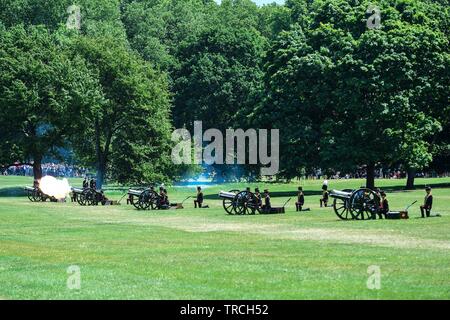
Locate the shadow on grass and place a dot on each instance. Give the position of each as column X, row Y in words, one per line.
column 12, row 192
column 293, row 193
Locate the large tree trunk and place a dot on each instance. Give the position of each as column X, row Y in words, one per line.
column 101, row 170
column 37, row 168
column 410, row 180
column 370, row 178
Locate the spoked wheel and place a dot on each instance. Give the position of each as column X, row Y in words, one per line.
column 89, row 197
column 229, row 204
column 81, row 199
column 135, row 202
column 244, row 203
column 33, row 195
column 252, row 206
column 41, row 197
column 155, row 201
column 341, row 208
column 363, row 203
column 147, row 200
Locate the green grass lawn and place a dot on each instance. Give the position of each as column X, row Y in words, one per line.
column 123, row 253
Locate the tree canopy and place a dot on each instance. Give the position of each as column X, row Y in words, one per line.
column 349, row 83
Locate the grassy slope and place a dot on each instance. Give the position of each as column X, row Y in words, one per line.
column 206, row 254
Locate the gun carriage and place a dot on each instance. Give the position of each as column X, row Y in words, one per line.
column 144, row 199
column 358, row 204
column 35, row 194
column 245, row 202
column 88, row 196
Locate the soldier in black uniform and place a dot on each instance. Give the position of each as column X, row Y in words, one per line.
column 199, row 200
column 428, row 203
column 163, row 198
column 384, row 206
column 93, row 184
column 266, row 207
column 85, row 183
column 167, row 196
column 258, row 197
column 300, row 199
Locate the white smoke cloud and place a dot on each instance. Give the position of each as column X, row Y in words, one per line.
column 51, row 186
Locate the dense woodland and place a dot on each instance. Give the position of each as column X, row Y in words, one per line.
column 343, row 95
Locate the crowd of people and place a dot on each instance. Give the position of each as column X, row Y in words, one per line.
column 361, row 173
column 50, row 169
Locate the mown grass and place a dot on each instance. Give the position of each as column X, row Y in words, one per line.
column 205, row 254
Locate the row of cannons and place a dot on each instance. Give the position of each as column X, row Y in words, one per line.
column 360, row 204
column 84, row 197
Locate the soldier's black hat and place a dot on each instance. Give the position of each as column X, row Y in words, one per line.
column 256, row 189
column 300, row 188
column 266, row 190
column 383, row 194
column 427, row 188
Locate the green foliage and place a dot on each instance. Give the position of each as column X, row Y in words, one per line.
column 128, row 134
column 345, row 95
column 219, row 78
column 42, row 90
column 342, row 95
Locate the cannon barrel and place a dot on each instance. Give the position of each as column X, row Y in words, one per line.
column 340, row 194
column 226, row 195
column 77, row 190
column 30, row 188
column 135, row 192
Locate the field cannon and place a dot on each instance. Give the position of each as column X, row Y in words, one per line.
column 144, row 199
column 88, row 197
column 35, row 194
column 358, row 204
column 239, row 202
column 245, row 202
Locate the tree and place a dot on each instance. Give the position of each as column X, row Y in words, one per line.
column 129, row 131
column 356, row 96
column 42, row 90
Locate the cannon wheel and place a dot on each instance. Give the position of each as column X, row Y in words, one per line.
column 245, row 203
column 147, row 200
column 364, row 202
column 41, row 197
column 134, row 202
column 81, row 199
column 89, row 196
column 341, row 208
column 33, row 196
column 229, row 204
